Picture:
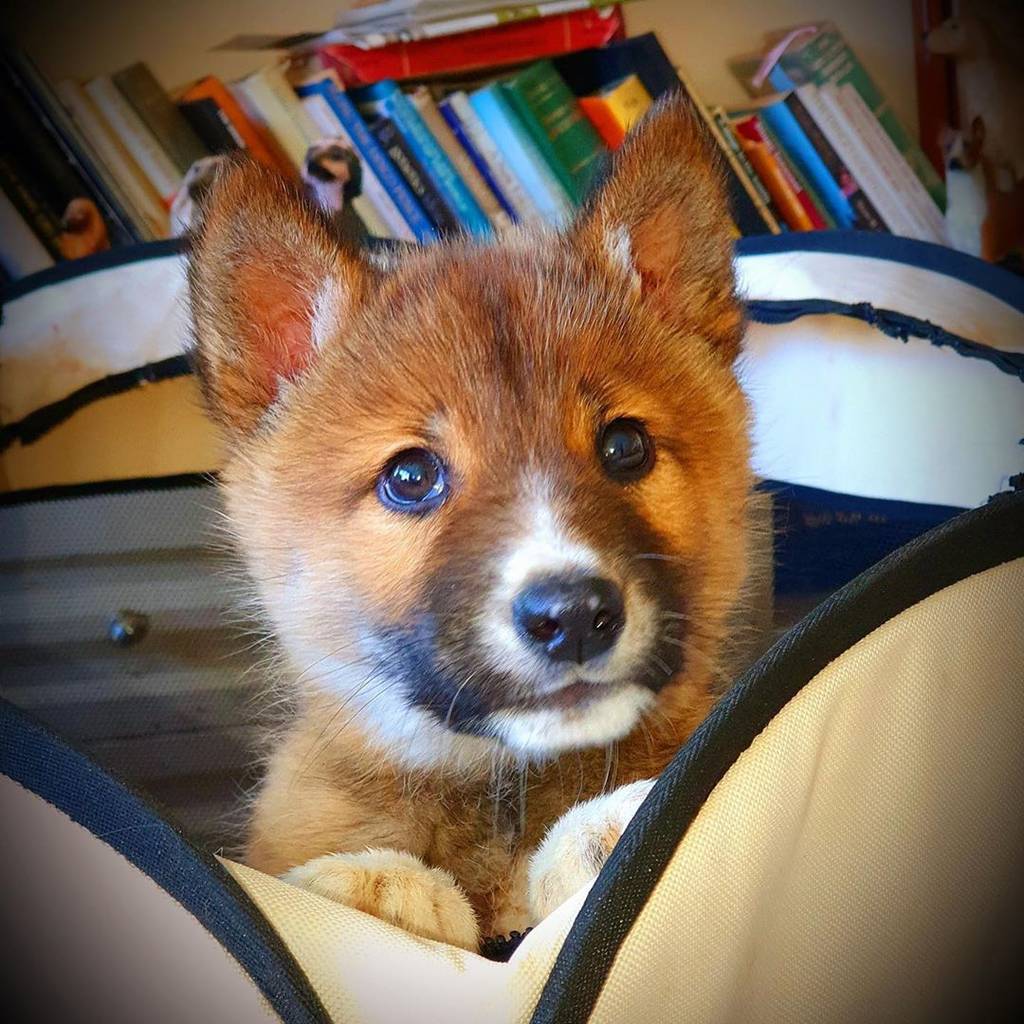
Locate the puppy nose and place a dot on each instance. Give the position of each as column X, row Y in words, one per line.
column 570, row 619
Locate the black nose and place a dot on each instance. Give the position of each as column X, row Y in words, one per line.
column 571, row 619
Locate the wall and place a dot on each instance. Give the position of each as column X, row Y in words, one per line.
column 92, row 36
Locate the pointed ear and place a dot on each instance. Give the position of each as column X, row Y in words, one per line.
column 267, row 285
column 662, row 217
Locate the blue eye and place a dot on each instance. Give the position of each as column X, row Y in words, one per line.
column 625, row 449
column 413, row 481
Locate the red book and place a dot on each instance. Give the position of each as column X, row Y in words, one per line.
column 514, row 43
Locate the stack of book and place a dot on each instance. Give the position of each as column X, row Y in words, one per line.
column 465, row 118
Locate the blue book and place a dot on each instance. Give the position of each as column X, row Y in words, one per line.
column 387, row 99
column 798, row 147
column 521, row 154
column 370, row 151
column 474, row 154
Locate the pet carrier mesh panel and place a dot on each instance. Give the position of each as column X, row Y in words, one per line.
column 846, row 809
column 841, row 840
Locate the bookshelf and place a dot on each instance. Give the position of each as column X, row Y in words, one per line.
column 175, row 37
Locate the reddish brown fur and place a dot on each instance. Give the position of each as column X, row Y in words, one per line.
column 520, row 347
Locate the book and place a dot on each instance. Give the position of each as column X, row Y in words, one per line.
column 744, row 172
column 561, row 131
column 371, row 25
column 805, row 193
column 242, row 128
column 268, row 98
column 460, row 114
column 142, row 197
column 428, row 109
column 865, row 216
column 212, row 126
column 517, row 147
column 387, row 100
column 498, row 46
column 616, row 108
column 65, row 154
column 772, row 174
column 147, row 97
column 370, row 152
column 886, row 177
column 21, row 252
column 19, row 184
column 818, row 54
column 135, row 137
column 415, row 174
column 778, row 115
column 373, row 205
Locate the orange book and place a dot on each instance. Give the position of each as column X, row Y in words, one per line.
column 256, row 142
column 772, row 175
column 616, row 108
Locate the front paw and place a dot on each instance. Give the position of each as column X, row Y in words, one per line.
column 578, row 844
column 395, row 887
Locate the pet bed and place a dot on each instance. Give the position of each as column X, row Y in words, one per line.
column 840, row 841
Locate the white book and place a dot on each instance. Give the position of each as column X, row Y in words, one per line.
column 136, row 137
column 526, row 209
column 147, row 208
column 388, row 220
column 927, row 222
column 21, row 252
column 825, row 108
column 262, row 106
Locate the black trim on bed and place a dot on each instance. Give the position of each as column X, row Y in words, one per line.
column 46, row 766
column 39, row 422
column 125, row 485
column 962, row 547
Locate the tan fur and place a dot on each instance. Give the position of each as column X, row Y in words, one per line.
column 489, row 353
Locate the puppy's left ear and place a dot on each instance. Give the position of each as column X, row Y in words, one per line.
column 662, row 217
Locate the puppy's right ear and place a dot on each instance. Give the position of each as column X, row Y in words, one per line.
column 268, row 287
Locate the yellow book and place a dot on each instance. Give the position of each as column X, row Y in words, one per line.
column 616, row 108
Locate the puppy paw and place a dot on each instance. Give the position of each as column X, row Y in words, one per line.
column 578, row 844
column 395, row 887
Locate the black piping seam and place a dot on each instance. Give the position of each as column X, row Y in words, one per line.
column 962, row 547
column 93, row 488
column 33, row 426
column 890, row 322
column 38, row 760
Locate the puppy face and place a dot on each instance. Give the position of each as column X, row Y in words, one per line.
column 494, row 492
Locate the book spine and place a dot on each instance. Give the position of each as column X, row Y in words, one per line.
column 772, row 175
column 748, row 181
column 826, row 60
column 136, row 138
column 794, row 142
column 284, row 92
column 262, row 107
column 212, row 125
column 522, row 207
column 40, row 218
column 507, row 44
column 604, row 119
column 67, row 150
column 21, row 252
column 383, row 210
column 458, row 130
column 424, row 147
column 156, row 111
column 925, row 220
column 402, row 156
column 807, row 111
column 576, row 146
column 809, row 199
column 517, row 147
column 373, row 156
column 150, row 214
column 466, row 168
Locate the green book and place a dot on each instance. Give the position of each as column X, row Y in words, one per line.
column 825, row 58
column 561, row 131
